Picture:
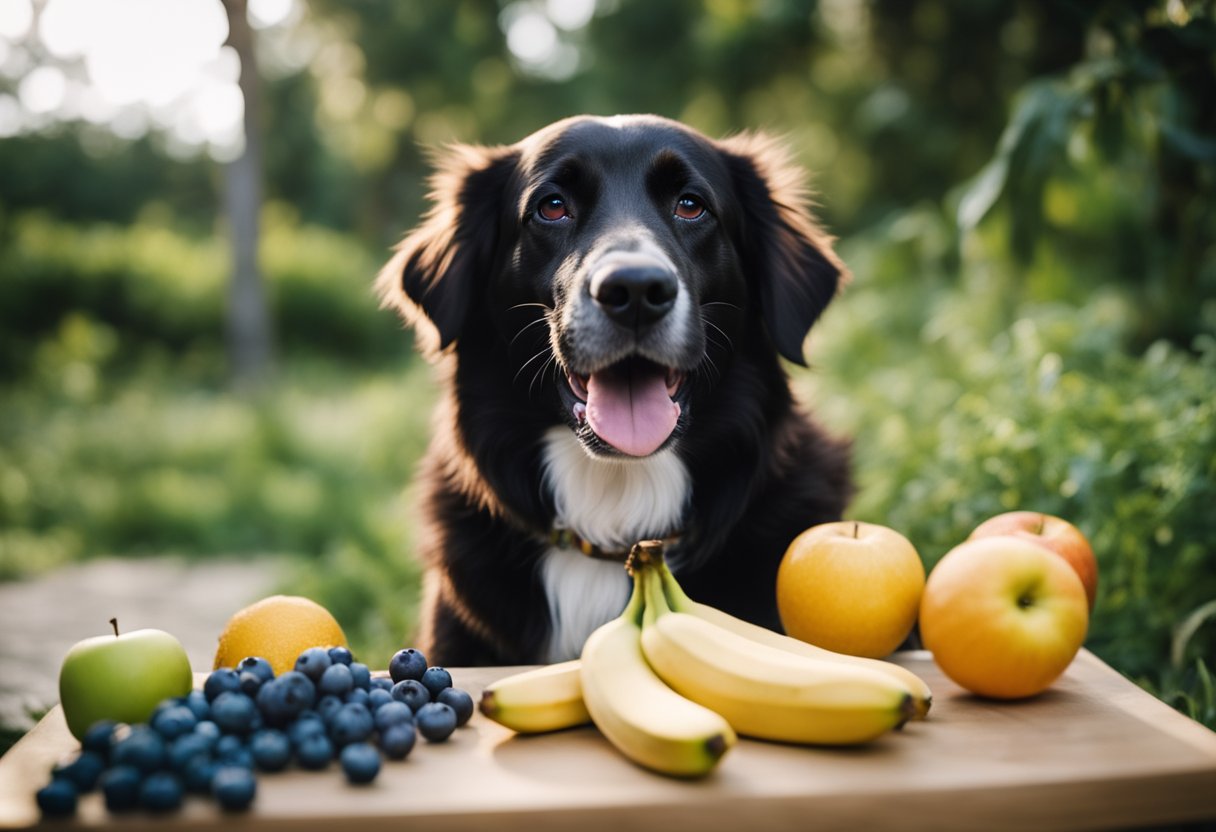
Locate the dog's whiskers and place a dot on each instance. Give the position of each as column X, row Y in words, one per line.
column 729, row 342
column 544, row 319
column 542, row 351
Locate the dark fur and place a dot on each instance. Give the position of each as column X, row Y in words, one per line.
column 761, row 470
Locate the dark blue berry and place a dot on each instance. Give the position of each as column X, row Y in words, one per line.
column 307, row 725
column 412, row 693
column 397, row 740
column 234, row 788
column 358, row 696
column 459, row 701
column 234, row 713
column 360, row 762
column 185, row 748
column 327, row 706
column 436, row 679
column 120, row 786
column 391, row 714
column 139, row 746
column 97, row 739
column 257, row 666
column 223, row 680
column 361, row 676
column 378, row 697
column 271, row 749
column 198, row 773
column 161, row 792
column 196, row 701
column 436, row 721
column 251, row 683
column 407, row 664
column 352, row 723
column 174, row 721
column 314, row 751
column 382, row 683
column 82, row 770
column 209, row 731
column 335, row 681
column 57, row 799
column 312, row 662
column 340, row 655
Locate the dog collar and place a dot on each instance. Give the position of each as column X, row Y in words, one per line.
column 567, row 539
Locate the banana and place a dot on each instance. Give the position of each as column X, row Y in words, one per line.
column 762, row 691
column 545, row 699
column 922, row 696
column 647, row 721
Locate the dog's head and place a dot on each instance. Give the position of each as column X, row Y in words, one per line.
column 631, row 255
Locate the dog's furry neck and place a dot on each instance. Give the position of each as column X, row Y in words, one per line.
column 613, row 504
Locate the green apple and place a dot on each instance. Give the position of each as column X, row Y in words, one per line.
column 121, row 677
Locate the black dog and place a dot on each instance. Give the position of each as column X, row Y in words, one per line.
column 608, row 299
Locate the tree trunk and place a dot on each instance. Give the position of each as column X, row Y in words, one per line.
column 249, row 331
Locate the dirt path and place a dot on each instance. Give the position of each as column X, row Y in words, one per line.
column 42, row 618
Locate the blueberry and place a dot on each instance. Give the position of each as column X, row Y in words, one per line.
column 120, row 785
column 161, row 792
column 98, row 737
column 436, row 721
column 57, row 799
column 271, row 749
column 412, row 693
column 234, row 713
column 196, row 701
column 459, row 701
column 301, row 693
column 174, row 721
column 225, row 679
column 407, row 664
column 228, row 746
column 360, row 762
column 209, row 731
column 340, row 655
column 398, row 740
column 436, row 679
column 312, row 662
column 185, row 748
column 352, row 723
column 141, row 747
column 315, row 751
column 382, row 683
column 378, row 697
column 309, row 724
column 234, row 788
column 327, row 706
column 251, row 683
column 257, row 666
column 283, row 699
column 198, row 774
column 393, row 713
column 361, row 676
column 358, row 696
column 335, row 681
column 82, row 770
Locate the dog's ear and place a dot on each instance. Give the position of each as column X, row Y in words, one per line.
column 432, row 278
column 782, row 246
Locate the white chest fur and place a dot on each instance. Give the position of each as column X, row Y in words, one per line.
column 612, row 503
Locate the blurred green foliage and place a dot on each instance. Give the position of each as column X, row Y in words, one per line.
column 1026, row 194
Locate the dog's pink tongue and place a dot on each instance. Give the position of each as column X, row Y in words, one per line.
column 631, row 411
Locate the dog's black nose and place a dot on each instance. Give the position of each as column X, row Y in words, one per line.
column 637, row 295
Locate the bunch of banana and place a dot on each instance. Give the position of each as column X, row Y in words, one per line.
column 671, row 681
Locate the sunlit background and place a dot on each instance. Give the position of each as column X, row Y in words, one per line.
column 1025, row 192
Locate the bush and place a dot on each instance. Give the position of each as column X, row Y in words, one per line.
column 158, row 290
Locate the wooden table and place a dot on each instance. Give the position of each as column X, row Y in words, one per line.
column 1093, row 752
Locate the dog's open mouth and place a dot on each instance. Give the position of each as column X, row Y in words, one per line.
column 631, row 405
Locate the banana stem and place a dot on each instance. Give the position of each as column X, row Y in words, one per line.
column 637, row 600
column 676, row 597
column 656, row 603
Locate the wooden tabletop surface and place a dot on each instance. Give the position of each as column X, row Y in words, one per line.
column 1093, row 752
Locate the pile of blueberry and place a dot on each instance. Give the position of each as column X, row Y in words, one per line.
column 211, row 740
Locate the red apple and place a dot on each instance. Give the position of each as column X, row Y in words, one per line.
column 1003, row 616
column 1053, row 533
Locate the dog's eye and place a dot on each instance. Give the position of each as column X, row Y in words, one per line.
column 688, row 207
column 552, row 208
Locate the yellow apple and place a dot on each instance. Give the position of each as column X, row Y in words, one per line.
column 1003, row 616
column 1056, row 534
column 850, row 587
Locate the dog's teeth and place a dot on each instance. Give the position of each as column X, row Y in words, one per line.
column 580, row 412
